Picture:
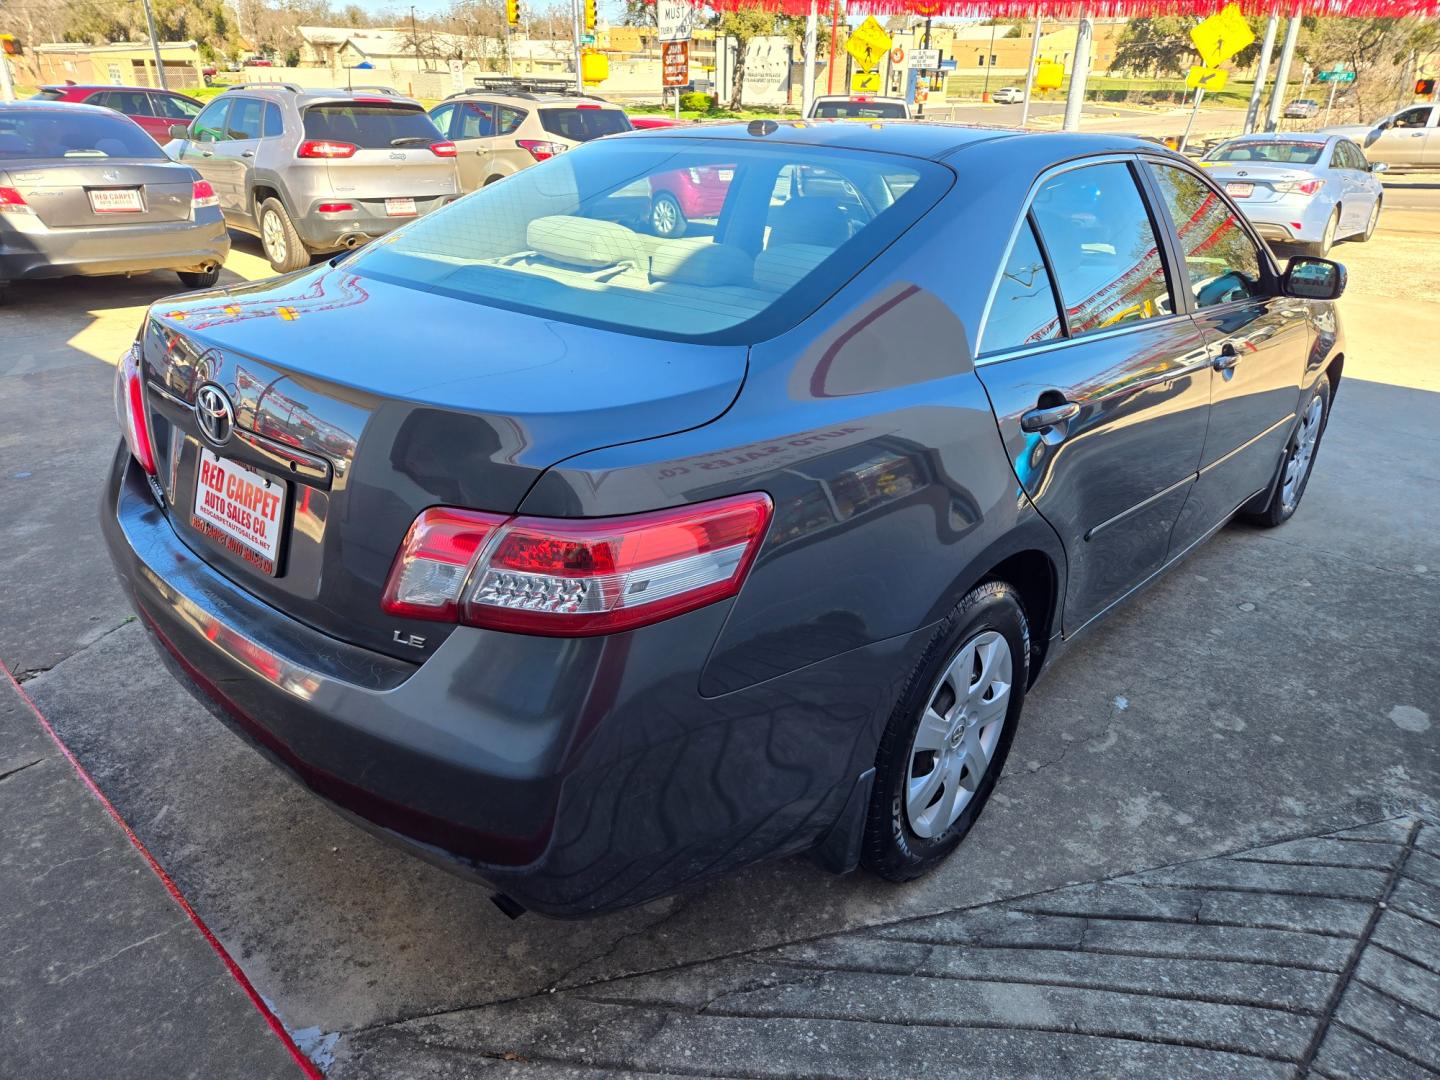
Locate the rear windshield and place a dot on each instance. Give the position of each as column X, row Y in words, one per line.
column 369, row 126
column 869, row 110
column 1281, row 152
column 48, row 95
column 51, row 133
column 582, row 125
column 767, row 233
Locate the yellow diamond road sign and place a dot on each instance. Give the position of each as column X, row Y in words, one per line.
column 1211, row 79
column 1221, row 36
column 868, row 44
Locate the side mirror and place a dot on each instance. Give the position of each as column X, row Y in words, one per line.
column 1379, row 166
column 179, row 131
column 1310, row 278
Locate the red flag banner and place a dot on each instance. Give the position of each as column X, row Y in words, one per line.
column 1070, row 9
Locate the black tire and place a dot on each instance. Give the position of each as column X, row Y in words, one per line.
column 1281, row 508
column 666, row 218
column 294, row 255
column 1322, row 246
column 204, row 279
column 1373, row 223
column 893, row 849
column 491, row 179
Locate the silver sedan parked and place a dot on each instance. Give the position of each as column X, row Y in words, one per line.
column 84, row 190
column 1301, row 189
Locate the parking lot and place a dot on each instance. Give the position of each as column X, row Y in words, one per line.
column 1279, row 686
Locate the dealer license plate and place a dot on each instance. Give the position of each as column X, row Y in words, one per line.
column 240, row 509
column 1240, row 191
column 400, row 207
column 116, row 201
column 725, row 175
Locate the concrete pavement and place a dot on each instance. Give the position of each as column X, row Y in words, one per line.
column 1275, row 686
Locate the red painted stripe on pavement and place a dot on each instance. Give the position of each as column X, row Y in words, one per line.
column 306, row 1065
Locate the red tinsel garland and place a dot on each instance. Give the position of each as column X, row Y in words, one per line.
column 1071, row 9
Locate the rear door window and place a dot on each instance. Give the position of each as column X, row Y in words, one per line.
column 274, row 122
column 370, row 125
column 1221, row 261
column 173, row 108
column 1024, row 311
column 1102, row 247
column 246, row 119
column 582, row 123
column 477, row 120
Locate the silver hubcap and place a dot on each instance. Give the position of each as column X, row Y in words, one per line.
column 664, row 216
column 1303, row 452
column 1330, row 232
column 273, row 233
column 958, row 733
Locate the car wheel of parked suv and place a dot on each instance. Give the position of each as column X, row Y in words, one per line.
column 282, row 244
column 666, row 217
column 203, row 279
column 1297, row 462
column 948, row 737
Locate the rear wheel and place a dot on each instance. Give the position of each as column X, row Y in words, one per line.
column 666, row 217
column 203, row 279
column 282, row 244
column 1327, row 238
column 1297, row 462
column 949, row 735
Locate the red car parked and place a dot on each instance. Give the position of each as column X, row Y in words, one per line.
column 679, row 197
column 154, row 110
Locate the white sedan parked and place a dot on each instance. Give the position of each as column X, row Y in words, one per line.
column 1301, row 189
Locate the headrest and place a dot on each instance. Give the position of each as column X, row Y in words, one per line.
column 699, row 263
column 580, row 241
column 778, row 268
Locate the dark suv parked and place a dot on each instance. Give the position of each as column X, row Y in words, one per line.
column 593, row 562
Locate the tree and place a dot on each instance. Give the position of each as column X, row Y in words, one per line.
column 1158, row 46
column 743, row 25
column 639, row 13
column 1382, row 53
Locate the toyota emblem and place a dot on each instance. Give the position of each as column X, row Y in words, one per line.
column 214, row 414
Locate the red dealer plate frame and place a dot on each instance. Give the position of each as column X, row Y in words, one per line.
column 1239, row 189
column 238, row 517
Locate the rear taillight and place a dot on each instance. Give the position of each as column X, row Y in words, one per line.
column 202, row 194
column 540, row 149
column 130, row 409
column 325, row 148
column 12, row 202
column 443, row 149
column 1301, row 187
column 574, row 577
column 335, row 208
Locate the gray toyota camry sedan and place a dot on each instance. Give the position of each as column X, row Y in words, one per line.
column 84, row 190
column 593, row 563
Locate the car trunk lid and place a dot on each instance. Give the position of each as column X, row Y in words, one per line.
column 363, row 403
column 1259, row 182
column 99, row 191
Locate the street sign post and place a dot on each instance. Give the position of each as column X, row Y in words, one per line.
column 1336, row 76
column 1201, row 79
column 675, row 67
column 925, row 59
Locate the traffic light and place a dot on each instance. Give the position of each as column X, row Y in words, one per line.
column 9, row 45
column 589, row 16
column 1424, row 87
column 512, row 13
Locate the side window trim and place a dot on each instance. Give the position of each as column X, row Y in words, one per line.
column 1043, row 248
column 1268, row 267
column 1180, row 300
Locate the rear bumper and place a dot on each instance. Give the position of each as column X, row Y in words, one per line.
column 30, row 250
column 575, row 775
column 1289, row 220
column 326, row 232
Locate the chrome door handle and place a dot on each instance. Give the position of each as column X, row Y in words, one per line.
column 207, row 153
column 247, row 153
column 1040, row 419
column 1228, row 358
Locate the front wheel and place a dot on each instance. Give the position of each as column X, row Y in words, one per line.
column 949, row 735
column 282, row 244
column 666, row 217
column 1297, row 462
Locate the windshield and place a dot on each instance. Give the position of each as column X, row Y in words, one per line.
column 1283, row 152
column 52, row 133
column 767, row 233
column 583, row 124
column 868, row 110
column 370, row 126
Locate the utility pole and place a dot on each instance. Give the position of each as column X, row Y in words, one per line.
column 812, row 28
column 1030, row 75
column 1282, row 73
column 1262, row 68
column 1079, row 72
column 155, row 47
column 575, row 28
column 989, row 63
